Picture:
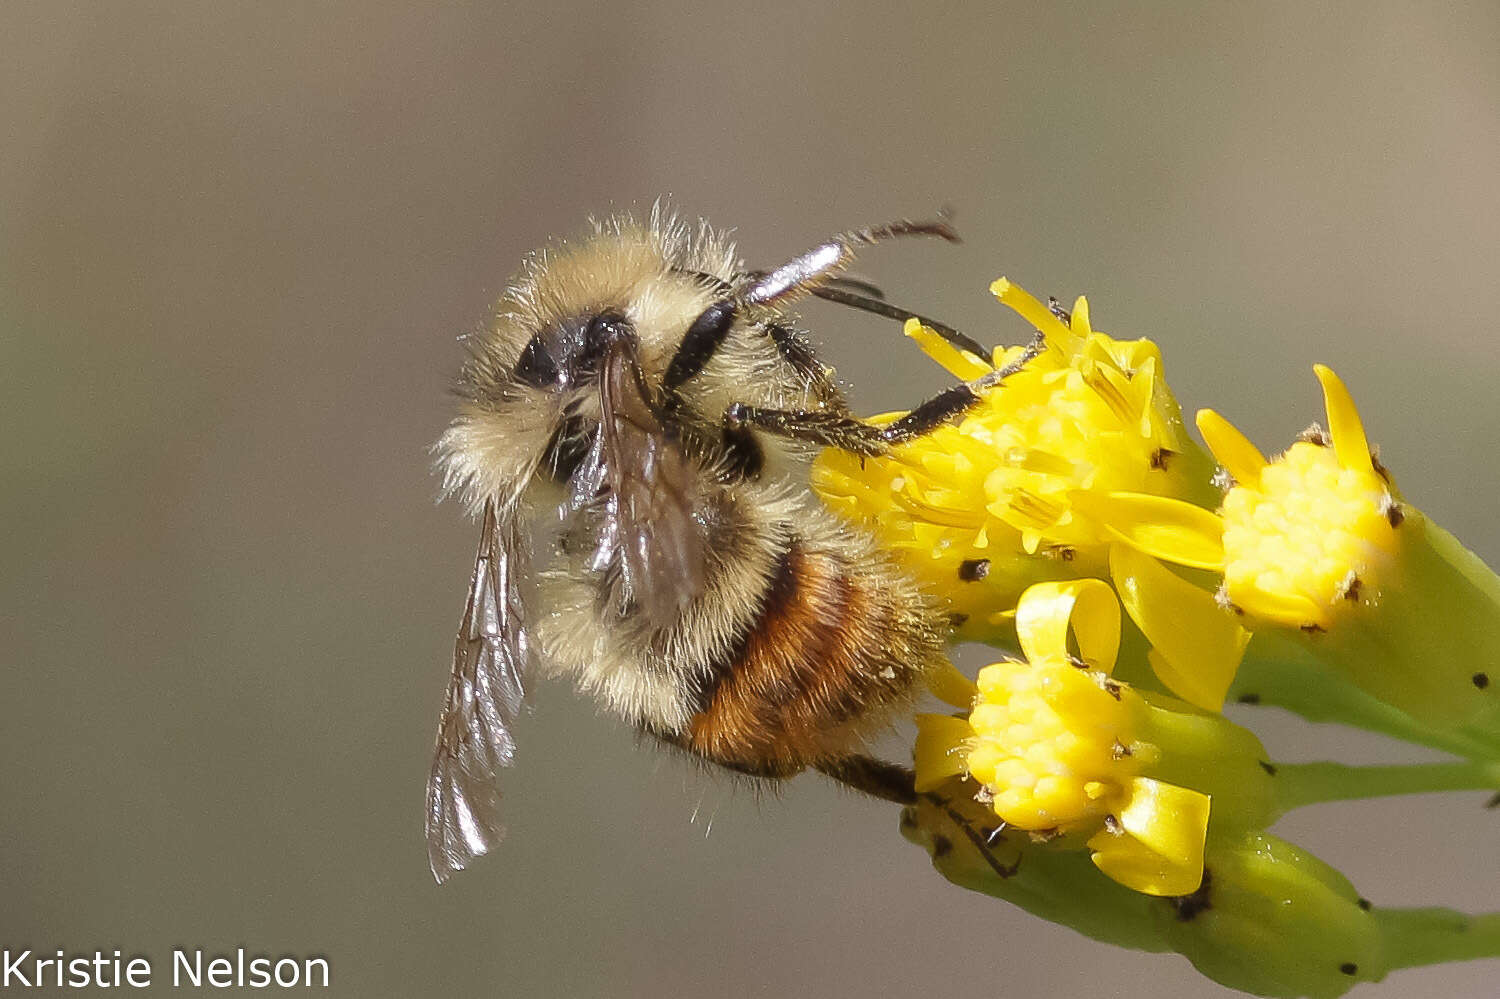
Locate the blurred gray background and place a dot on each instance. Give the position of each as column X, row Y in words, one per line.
column 237, row 244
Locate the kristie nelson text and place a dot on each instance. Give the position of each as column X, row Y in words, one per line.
column 190, row 969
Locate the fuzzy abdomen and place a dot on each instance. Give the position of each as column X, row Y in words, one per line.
column 839, row 639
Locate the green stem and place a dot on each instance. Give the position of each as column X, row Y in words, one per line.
column 1278, row 671
column 1415, row 937
column 1299, row 784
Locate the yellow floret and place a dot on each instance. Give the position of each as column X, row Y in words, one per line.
column 1046, row 741
column 1306, row 538
column 1056, row 745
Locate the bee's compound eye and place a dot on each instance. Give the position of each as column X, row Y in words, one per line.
column 536, row 366
column 565, row 353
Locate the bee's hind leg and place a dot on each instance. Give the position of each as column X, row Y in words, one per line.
column 894, row 783
column 877, row 778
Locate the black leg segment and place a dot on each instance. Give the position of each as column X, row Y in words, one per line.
column 876, row 778
column 703, row 338
column 839, row 430
column 834, row 429
column 953, row 402
column 889, row 311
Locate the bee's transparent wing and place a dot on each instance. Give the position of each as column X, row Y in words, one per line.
column 485, row 693
column 642, row 495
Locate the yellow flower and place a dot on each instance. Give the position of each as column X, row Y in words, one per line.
column 1024, row 488
column 1318, row 545
column 1061, row 749
column 1303, row 537
column 1085, row 796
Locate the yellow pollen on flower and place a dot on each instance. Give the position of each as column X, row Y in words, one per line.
column 1057, row 745
column 1045, row 738
column 1309, row 534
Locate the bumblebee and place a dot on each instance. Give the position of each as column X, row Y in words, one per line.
column 633, row 437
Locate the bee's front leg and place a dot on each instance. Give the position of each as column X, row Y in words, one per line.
column 845, row 432
column 822, row 427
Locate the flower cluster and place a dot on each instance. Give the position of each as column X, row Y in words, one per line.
column 1090, row 776
column 1029, row 485
column 1061, row 749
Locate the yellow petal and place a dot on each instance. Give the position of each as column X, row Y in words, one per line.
column 1045, row 611
column 1168, row 528
column 1143, row 384
column 1171, row 820
column 1196, row 645
column 948, row 684
column 941, row 750
column 1291, row 609
column 1231, row 448
column 1080, row 315
column 1160, row 848
column 960, row 363
column 1344, row 424
column 1035, row 313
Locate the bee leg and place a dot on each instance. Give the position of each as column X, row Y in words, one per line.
column 841, row 296
column 877, row 778
column 839, row 430
column 952, row 403
column 890, row 782
column 803, row 274
column 856, row 284
column 829, row 429
column 702, row 340
column 798, row 276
